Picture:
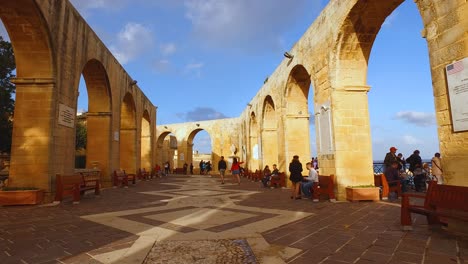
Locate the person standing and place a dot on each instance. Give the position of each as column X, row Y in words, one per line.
column 235, row 169
column 185, row 168
column 390, row 158
column 222, row 166
column 167, row 168
column 308, row 184
column 401, row 162
column 295, row 169
column 437, row 168
column 414, row 160
column 201, row 166
column 191, row 168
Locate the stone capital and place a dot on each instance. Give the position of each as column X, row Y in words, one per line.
column 32, row 81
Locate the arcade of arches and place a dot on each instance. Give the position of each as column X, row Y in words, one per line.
column 331, row 56
column 50, row 59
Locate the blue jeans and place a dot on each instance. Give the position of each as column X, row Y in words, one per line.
column 306, row 187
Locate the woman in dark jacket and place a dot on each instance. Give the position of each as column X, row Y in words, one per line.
column 295, row 169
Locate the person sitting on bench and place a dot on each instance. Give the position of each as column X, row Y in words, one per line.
column 392, row 175
column 308, row 182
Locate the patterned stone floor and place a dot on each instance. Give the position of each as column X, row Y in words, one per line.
column 195, row 219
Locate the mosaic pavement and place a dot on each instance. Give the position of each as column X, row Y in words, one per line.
column 184, row 219
column 200, row 209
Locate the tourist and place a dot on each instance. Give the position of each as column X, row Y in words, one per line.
column 202, row 163
column 185, row 168
column 437, row 168
column 167, row 167
column 207, row 167
column 275, row 174
column 235, row 169
column 392, row 174
column 420, row 176
column 295, row 169
column 222, row 166
column 191, row 168
column 401, row 162
column 414, row 160
column 308, row 183
column 266, row 176
column 390, row 158
column 315, row 163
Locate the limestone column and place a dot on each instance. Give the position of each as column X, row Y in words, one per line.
column 98, row 146
column 269, row 147
column 296, row 126
column 32, row 147
column 128, row 149
column 352, row 138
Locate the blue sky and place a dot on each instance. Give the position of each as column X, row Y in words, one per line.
column 212, row 56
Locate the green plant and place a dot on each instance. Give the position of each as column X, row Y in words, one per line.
column 19, row 189
column 362, row 186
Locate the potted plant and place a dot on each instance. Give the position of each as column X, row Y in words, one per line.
column 362, row 193
column 21, row 196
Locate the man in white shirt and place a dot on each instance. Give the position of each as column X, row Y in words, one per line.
column 308, row 183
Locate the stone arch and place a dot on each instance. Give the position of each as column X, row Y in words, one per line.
column 145, row 141
column 163, row 150
column 296, row 121
column 99, row 116
column 254, row 146
column 349, row 67
column 35, row 88
column 128, row 134
column 269, row 133
column 189, row 151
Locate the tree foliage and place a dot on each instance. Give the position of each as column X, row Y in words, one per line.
column 81, row 134
column 7, row 89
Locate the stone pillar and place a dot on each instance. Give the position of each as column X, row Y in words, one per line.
column 352, row 138
column 128, row 150
column 296, row 126
column 32, row 146
column 269, row 147
column 98, row 146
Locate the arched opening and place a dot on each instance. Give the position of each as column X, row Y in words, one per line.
column 296, row 123
column 145, row 140
column 7, row 99
column 128, row 134
column 402, row 95
column 199, row 148
column 166, row 150
column 355, row 40
column 31, row 153
column 254, row 147
column 94, row 118
column 269, row 133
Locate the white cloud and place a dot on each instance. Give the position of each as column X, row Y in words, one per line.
column 390, row 19
column 421, row 119
column 162, row 65
column 411, row 140
column 201, row 113
column 168, row 49
column 244, row 24
column 132, row 41
column 194, row 68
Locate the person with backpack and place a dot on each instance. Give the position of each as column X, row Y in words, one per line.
column 414, row 160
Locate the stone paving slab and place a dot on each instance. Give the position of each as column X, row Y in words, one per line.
column 126, row 226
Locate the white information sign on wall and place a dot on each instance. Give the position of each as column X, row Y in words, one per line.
column 116, row 136
column 324, row 124
column 457, row 80
column 66, row 116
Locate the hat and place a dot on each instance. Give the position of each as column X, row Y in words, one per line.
column 393, row 149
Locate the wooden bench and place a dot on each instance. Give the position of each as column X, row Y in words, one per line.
column 440, row 201
column 279, row 181
column 381, row 181
column 75, row 186
column 143, row 174
column 121, row 178
column 179, row 171
column 326, row 186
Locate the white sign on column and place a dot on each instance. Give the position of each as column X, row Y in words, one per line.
column 457, row 80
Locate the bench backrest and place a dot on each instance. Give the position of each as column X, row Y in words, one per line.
column 325, row 181
column 69, row 179
column 447, row 197
column 119, row 173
